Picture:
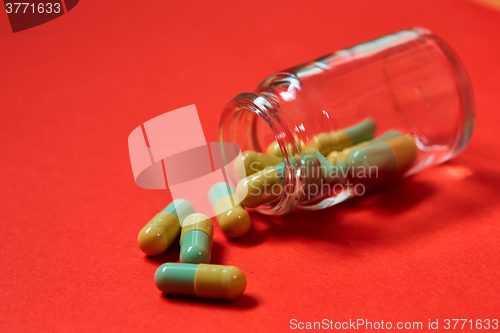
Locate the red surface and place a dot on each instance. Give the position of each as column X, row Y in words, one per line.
column 73, row 89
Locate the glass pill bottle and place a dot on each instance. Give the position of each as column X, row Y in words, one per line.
column 390, row 107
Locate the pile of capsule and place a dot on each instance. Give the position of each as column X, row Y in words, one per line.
column 194, row 275
column 332, row 155
column 392, row 153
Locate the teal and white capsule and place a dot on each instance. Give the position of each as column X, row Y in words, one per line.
column 196, row 239
column 210, row 281
column 164, row 228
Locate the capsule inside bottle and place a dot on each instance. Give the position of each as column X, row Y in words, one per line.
column 252, row 162
column 260, row 188
column 338, row 140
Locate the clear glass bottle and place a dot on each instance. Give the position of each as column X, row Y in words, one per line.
column 410, row 81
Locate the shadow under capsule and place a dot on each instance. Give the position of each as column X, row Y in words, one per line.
column 244, row 302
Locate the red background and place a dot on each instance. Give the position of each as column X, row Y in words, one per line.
column 73, row 89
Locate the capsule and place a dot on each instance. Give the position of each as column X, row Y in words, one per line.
column 338, row 140
column 161, row 231
column 334, row 168
column 196, row 239
column 207, row 281
column 274, row 149
column 267, row 185
column 233, row 219
column 261, row 187
column 334, row 156
column 391, row 156
column 252, row 162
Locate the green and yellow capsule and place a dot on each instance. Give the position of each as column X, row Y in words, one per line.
column 334, row 166
column 261, row 187
column 207, row 281
column 391, row 156
column 274, row 149
column 233, row 219
column 338, row 140
column 196, row 239
column 267, row 185
column 252, row 162
column 335, row 156
column 161, row 231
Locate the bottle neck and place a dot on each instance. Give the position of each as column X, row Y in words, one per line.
column 250, row 115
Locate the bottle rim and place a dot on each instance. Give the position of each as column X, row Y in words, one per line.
column 260, row 105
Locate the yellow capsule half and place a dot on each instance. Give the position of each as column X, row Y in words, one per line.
column 259, row 188
column 233, row 218
column 344, row 154
column 338, row 140
column 162, row 230
column 274, row 149
column 252, row 162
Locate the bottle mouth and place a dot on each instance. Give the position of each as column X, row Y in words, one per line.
column 253, row 121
